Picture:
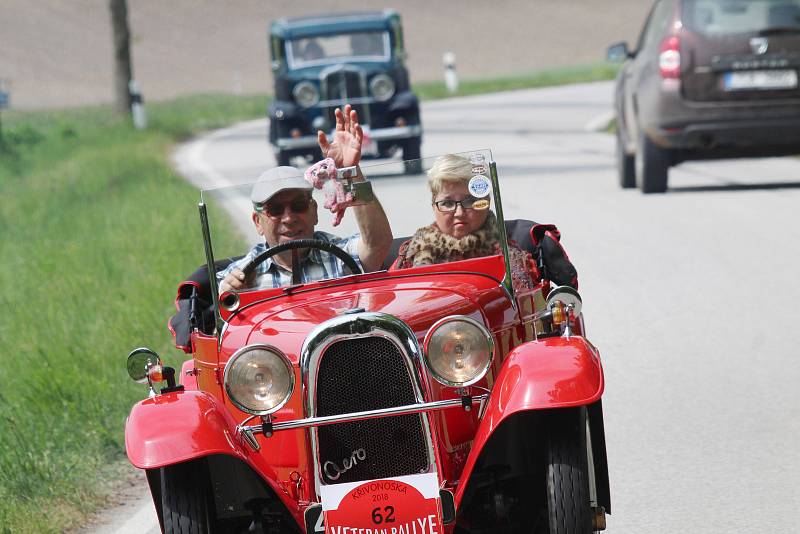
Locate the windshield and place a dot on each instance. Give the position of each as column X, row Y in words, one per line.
column 719, row 17
column 405, row 195
column 327, row 49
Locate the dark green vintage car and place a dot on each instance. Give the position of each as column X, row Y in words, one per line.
column 323, row 62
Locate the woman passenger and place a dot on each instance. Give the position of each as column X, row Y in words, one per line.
column 463, row 226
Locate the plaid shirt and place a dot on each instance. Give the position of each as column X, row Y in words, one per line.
column 318, row 265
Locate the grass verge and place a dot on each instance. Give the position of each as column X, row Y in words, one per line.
column 97, row 230
column 543, row 78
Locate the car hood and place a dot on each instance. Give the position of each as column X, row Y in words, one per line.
column 285, row 322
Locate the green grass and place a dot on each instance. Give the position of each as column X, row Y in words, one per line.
column 544, row 78
column 96, row 230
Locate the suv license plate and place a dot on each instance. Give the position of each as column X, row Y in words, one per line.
column 760, row 80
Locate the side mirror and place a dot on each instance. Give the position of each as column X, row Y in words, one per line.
column 144, row 366
column 566, row 295
column 618, row 52
column 140, row 361
column 563, row 306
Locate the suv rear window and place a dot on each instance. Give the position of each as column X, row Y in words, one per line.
column 720, row 17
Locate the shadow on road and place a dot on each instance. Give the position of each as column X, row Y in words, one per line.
column 533, row 171
column 734, row 187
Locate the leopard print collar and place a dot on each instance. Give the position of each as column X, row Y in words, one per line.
column 429, row 245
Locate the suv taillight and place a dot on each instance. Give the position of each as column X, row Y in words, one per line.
column 669, row 59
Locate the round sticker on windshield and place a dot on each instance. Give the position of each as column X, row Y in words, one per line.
column 479, row 186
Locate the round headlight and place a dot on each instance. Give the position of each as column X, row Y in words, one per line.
column 306, row 94
column 458, row 351
column 381, row 87
column 259, row 379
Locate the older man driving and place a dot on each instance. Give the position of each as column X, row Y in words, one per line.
column 284, row 210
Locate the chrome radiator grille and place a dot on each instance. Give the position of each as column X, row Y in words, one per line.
column 365, row 374
column 342, row 86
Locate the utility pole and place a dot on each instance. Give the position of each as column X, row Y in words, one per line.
column 122, row 55
column 4, row 84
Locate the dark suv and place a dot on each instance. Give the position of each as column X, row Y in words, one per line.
column 326, row 61
column 708, row 79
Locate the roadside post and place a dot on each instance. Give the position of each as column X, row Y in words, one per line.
column 450, row 76
column 4, row 101
column 138, row 112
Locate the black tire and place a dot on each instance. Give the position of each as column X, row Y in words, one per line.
column 568, row 506
column 186, row 502
column 652, row 166
column 626, row 165
column 283, row 158
column 412, row 152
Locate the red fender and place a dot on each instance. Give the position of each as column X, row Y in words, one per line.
column 177, row 427
column 182, row 426
column 553, row 372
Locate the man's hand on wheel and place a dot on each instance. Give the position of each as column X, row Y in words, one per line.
column 235, row 281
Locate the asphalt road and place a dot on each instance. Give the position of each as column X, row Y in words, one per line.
column 691, row 297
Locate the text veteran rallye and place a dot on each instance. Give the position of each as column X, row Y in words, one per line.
column 434, row 399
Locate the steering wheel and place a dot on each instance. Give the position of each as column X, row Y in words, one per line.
column 298, row 244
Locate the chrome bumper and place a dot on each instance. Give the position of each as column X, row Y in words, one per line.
column 381, row 134
column 247, row 432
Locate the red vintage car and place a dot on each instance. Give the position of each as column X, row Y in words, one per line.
column 436, row 399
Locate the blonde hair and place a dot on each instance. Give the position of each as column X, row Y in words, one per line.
column 448, row 168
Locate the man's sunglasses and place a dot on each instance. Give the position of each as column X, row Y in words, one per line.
column 276, row 209
column 468, row 203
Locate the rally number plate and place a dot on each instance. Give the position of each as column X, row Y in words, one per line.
column 313, row 517
column 408, row 504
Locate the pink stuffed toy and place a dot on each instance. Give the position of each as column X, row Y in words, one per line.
column 322, row 175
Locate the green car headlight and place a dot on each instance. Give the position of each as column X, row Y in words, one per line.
column 382, row 87
column 306, row 94
column 259, row 379
column 458, row 350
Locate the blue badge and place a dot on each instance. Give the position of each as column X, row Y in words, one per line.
column 479, row 186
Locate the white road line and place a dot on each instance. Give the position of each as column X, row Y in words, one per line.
column 144, row 520
column 190, row 158
column 600, row 122
column 136, row 515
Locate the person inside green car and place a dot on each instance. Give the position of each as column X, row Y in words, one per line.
column 313, row 51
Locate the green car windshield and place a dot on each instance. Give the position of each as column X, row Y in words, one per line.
column 334, row 49
column 401, row 187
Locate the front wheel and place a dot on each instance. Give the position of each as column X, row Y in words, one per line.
column 283, row 158
column 568, row 506
column 412, row 152
column 185, row 499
